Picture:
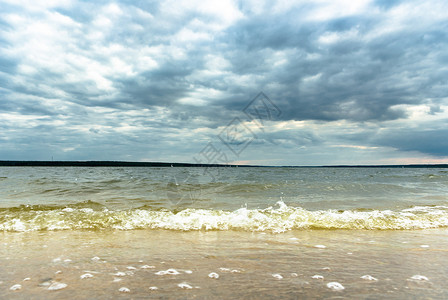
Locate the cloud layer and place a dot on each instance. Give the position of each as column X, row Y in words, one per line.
column 355, row 81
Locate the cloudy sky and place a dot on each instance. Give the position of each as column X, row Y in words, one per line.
column 344, row 82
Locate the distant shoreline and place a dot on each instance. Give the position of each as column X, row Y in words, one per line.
column 18, row 163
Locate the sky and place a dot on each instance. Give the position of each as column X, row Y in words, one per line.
column 319, row 82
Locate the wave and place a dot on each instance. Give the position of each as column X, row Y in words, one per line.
column 280, row 219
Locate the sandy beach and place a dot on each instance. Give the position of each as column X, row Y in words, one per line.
column 215, row 265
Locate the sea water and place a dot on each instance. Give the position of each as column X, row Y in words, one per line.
column 105, row 233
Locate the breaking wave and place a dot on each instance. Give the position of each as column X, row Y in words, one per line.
column 280, row 219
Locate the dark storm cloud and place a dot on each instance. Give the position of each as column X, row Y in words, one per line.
column 94, row 69
column 432, row 142
column 160, row 87
column 359, row 78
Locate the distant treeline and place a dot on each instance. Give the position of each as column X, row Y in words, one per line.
column 391, row 166
column 11, row 163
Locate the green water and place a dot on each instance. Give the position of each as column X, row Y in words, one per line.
column 194, row 233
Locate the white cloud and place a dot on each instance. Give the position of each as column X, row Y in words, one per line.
column 40, row 5
column 333, row 37
column 223, row 13
column 325, row 10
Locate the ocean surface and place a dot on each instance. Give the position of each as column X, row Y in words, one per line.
column 203, row 233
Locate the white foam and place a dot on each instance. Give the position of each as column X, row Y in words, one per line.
column 45, row 283
column 117, row 280
column 120, row 274
column 124, row 290
column 277, row 276
column 96, row 258
column 419, row 277
column 335, row 286
column 131, row 268
column 226, row 270
column 16, row 287
column 17, row 225
column 294, row 275
column 153, row 288
column 26, row 279
column 368, row 277
column 320, row 246
column 85, row 276
column 317, row 277
column 213, row 275
column 68, row 209
column 282, row 219
column 93, row 272
column 57, row 286
column 147, row 267
column 424, row 246
column 188, row 272
column 184, row 285
column 168, row 272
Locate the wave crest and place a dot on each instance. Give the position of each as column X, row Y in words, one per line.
column 280, row 219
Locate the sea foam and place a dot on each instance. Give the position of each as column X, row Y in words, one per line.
column 271, row 219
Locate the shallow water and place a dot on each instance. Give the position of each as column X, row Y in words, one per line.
column 108, row 233
column 223, row 188
column 249, row 265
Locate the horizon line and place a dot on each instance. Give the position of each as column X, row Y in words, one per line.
column 118, row 163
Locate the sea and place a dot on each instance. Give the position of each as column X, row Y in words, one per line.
column 223, row 233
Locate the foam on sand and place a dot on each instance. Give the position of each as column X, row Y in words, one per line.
column 16, row 287
column 369, row 277
column 168, row 272
column 419, row 278
column 335, row 286
column 147, row 267
column 57, row 286
column 184, row 285
column 124, row 290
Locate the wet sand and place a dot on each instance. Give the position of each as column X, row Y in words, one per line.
column 166, row 264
